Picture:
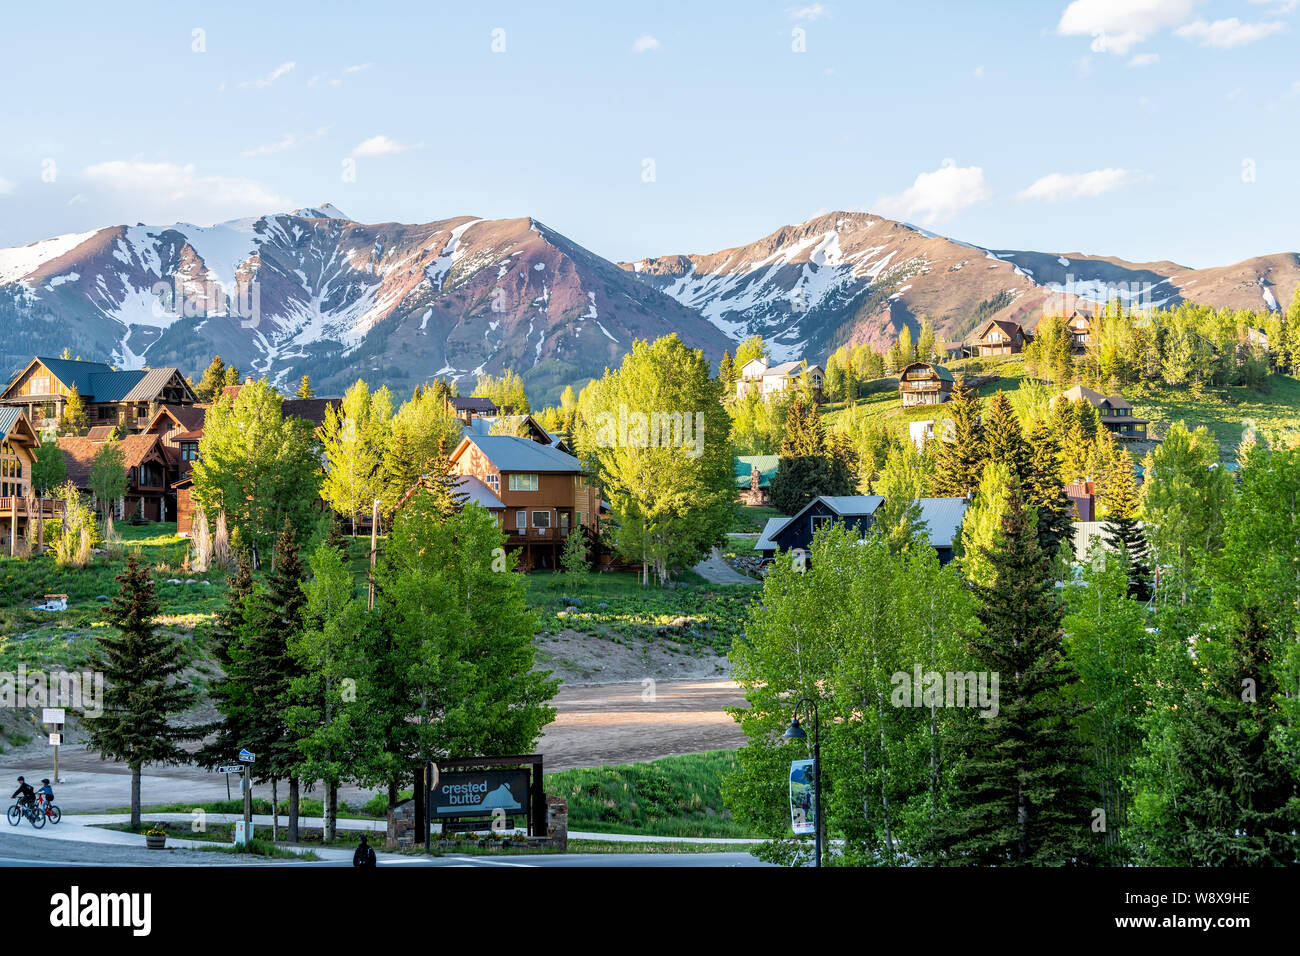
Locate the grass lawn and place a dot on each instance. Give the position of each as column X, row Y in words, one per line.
column 750, row 519
column 716, row 613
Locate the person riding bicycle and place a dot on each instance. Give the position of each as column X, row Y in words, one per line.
column 25, row 794
column 46, row 791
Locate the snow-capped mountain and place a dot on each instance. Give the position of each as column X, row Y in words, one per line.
column 313, row 291
column 855, row 277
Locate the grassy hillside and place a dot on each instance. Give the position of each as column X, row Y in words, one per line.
column 1225, row 410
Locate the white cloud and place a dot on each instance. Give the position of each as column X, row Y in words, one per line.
column 938, row 196
column 1116, row 26
column 1058, row 186
column 1229, row 33
column 978, row 72
column 381, row 146
column 358, row 68
column 813, row 11
column 265, row 81
column 76, row 200
column 288, row 141
column 1144, row 59
column 6, row 187
column 645, row 44
column 173, row 190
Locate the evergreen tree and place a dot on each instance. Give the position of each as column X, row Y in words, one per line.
column 1123, row 533
column 1044, row 489
column 225, row 627
column 1004, row 441
column 304, row 388
column 212, row 381
column 961, row 455
column 810, row 465
column 727, row 371
column 1019, row 794
column 145, row 693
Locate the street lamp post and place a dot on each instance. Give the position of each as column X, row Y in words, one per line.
column 796, row 732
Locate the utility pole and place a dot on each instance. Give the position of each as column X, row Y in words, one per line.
column 374, row 546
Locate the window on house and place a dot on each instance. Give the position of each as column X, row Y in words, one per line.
column 40, row 385
column 523, row 482
column 541, row 519
column 817, row 522
column 494, row 482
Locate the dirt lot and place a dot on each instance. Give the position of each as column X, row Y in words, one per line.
column 621, row 701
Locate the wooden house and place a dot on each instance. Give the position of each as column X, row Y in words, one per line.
column 754, row 474
column 924, row 383
column 757, row 375
column 148, row 492
column 21, row 514
column 1115, row 413
column 997, row 337
column 127, row 399
column 468, row 408
column 543, row 492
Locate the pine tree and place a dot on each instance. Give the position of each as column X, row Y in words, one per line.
column 727, row 370
column 212, row 381
column 1003, row 439
column 1019, row 794
column 961, row 456
column 144, row 694
column 1044, row 489
column 226, row 625
column 304, row 388
column 1123, row 533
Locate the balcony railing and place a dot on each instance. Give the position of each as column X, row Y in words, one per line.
column 534, row 535
column 41, row 507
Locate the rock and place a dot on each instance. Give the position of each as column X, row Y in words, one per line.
column 602, row 605
column 679, row 622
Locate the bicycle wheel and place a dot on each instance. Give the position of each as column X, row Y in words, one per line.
column 37, row 818
column 55, row 814
column 15, row 814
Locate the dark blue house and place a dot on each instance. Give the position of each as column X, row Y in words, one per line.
column 942, row 518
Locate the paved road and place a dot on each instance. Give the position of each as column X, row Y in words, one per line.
column 19, row 848
column 717, row 571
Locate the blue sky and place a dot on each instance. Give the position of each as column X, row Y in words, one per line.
column 1147, row 129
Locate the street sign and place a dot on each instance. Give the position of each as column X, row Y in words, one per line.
column 52, row 715
column 56, row 739
column 231, row 768
column 480, row 793
column 246, row 757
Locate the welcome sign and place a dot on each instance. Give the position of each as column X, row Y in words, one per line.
column 480, row 793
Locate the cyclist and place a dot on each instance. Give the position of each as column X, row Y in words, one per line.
column 25, row 794
column 45, row 791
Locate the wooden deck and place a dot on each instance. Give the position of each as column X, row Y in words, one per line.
column 40, row 508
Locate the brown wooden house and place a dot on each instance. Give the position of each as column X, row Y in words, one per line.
column 127, row 399
column 18, row 508
column 148, row 492
column 997, row 337
column 924, row 383
column 543, row 492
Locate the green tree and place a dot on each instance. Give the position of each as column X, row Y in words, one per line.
column 258, row 466
column 961, row 455
column 212, row 381
column 49, row 469
column 145, row 693
column 574, row 559
column 108, row 480
column 1044, row 489
column 1019, row 793
column 752, row 348
column 1185, row 496
column 354, row 438
column 668, row 474
column 73, row 421
column 506, row 392
column 450, row 647
column 1123, row 532
column 727, row 372
column 304, row 388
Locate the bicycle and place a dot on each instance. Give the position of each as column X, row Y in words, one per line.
column 50, row 810
column 18, row 811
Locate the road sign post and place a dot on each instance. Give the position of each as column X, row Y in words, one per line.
column 248, row 758
column 56, row 717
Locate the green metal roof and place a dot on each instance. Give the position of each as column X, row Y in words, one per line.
column 745, row 465
column 72, row 372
